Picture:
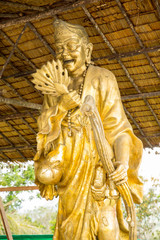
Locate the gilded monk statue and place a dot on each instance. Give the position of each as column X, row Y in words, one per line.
column 67, row 162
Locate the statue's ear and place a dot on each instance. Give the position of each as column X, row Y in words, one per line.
column 89, row 52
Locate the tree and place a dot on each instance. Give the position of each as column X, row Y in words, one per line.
column 21, row 224
column 39, row 221
column 15, row 176
column 148, row 213
column 45, row 216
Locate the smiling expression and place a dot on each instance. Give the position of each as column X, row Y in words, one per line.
column 72, row 53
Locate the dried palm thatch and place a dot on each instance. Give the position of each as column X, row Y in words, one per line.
column 126, row 39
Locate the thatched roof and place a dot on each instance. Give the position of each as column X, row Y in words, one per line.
column 126, row 38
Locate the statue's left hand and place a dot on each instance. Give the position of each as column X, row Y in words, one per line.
column 69, row 101
column 47, row 191
column 119, row 176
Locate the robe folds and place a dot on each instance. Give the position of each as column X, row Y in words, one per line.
column 79, row 156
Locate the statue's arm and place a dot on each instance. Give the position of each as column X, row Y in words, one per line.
column 116, row 127
column 122, row 153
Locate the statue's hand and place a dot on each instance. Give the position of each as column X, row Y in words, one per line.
column 47, row 191
column 69, row 101
column 119, row 176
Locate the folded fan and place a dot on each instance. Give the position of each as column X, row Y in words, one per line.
column 52, row 79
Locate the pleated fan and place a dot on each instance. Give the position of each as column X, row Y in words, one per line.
column 52, row 79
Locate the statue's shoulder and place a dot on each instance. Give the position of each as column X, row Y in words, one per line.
column 104, row 74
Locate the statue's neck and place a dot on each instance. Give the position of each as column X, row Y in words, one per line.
column 77, row 79
column 76, row 82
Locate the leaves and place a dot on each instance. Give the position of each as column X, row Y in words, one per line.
column 38, row 221
column 16, row 176
column 148, row 213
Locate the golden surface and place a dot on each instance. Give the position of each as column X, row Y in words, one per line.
column 67, row 162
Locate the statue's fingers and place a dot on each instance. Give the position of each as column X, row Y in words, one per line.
column 43, row 192
column 59, row 71
column 117, row 171
column 122, row 181
column 66, row 78
column 117, row 164
column 72, row 94
column 55, row 66
column 119, row 176
column 77, row 99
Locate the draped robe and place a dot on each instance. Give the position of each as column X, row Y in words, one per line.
column 79, row 155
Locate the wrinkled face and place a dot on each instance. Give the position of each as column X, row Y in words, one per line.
column 72, row 52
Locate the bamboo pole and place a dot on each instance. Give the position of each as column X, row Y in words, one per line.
column 20, row 103
column 22, row 188
column 19, row 115
column 45, row 14
column 21, row 6
column 5, row 221
column 11, row 53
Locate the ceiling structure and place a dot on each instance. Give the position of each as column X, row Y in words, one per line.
column 126, row 39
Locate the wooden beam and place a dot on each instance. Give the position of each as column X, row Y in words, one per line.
column 157, row 5
column 23, row 188
column 45, row 14
column 4, row 80
column 46, row 44
column 98, row 30
column 21, row 74
column 8, row 15
column 19, row 115
column 5, row 221
column 20, row 103
column 11, row 53
column 152, row 136
column 21, row 136
column 21, row 6
column 18, row 50
column 6, row 158
column 39, row 106
column 16, row 160
column 123, row 11
column 129, row 54
column 15, row 91
column 13, row 147
column 140, row 130
column 141, row 95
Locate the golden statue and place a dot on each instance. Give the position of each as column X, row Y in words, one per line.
column 87, row 153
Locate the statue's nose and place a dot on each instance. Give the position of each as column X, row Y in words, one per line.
column 65, row 51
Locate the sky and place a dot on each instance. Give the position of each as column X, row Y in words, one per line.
column 150, row 167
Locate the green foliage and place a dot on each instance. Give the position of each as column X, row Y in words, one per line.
column 53, row 225
column 44, row 216
column 15, row 176
column 20, row 225
column 38, row 221
column 148, row 213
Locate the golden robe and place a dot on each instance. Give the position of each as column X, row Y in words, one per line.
column 75, row 219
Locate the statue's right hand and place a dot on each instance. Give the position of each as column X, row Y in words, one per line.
column 69, row 101
column 47, row 191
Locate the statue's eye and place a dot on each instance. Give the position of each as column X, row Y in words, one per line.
column 72, row 46
column 59, row 49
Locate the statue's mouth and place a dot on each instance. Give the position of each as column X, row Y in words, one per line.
column 68, row 61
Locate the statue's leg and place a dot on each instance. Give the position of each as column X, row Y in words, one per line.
column 108, row 228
